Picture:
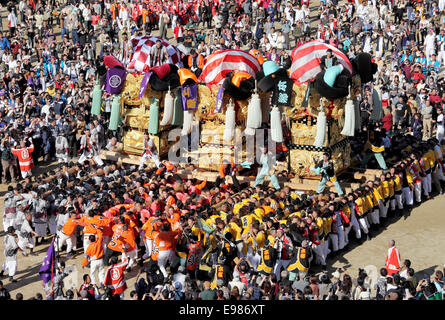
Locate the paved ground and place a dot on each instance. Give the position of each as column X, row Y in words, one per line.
column 419, row 236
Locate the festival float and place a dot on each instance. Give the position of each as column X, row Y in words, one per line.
column 235, row 95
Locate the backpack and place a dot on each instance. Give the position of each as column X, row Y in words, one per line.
column 7, row 154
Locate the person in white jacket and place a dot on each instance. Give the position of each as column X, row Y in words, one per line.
column 430, row 43
column 440, row 125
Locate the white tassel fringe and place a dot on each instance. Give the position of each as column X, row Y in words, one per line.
column 168, row 109
column 229, row 129
column 275, row 125
column 188, row 121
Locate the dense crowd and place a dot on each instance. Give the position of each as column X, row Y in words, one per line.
column 258, row 243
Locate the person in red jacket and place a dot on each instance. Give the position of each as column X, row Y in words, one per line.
column 115, row 278
column 25, row 157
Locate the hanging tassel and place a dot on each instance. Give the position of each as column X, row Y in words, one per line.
column 229, row 129
column 275, row 125
column 97, row 99
column 321, row 128
column 115, row 112
column 265, row 109
column 349, row 126
column 153, row 122
column 377, row 111
column 188, row 121
column 168, row 109
column 178, row 113
column 254, row 112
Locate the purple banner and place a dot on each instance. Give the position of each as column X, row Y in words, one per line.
column 115, row 80
column 144, row 84
column 219, row 99
column 47, row 270
column 189, row 97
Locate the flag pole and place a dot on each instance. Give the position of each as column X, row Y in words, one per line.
column 52, row 263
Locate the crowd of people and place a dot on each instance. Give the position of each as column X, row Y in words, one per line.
column 196, row 239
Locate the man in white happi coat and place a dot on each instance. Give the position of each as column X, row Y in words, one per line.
column 10, row 205
column 10, row 251
column 26, row 235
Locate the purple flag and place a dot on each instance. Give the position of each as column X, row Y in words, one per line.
column 219, row 99
column 144, row 83
column 189, row 97
column 48, row 267
column 115, row 79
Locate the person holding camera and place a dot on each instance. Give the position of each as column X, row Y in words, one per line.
column 427, row 290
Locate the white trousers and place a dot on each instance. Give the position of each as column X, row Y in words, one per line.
column 333, row 238
column 347, row 230
column 25, row 174
column 254, row 259
column 148, row 247
column 25, row 243
column 277, row 269
column 440, row 175
column 11, row 266
column 164, row 257
column 393, row 204
column 364, row 224
column 428, row 52
column 429, row 181
column 320, row 257
column 97, row 266
column 63, row 158
column 441, row 55
column 418, row 191
column 341, row 237
column 69, row 240
column 147, row 156
column 326, row 249
column 132, row 256
column 425, row 186
column 356, row 226
column 8, row 220
column 440, row 133
column 383, row 210
column 407, row 196
column 374, row 216
column 399, row 200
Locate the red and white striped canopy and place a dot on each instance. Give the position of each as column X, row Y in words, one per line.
column 307, row 57
column 141, row 53
column 218, row 64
